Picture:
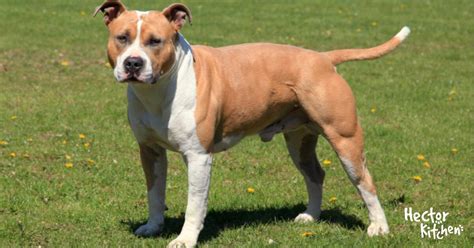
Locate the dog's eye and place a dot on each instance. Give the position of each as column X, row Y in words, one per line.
column 122, row 39
column 155, row 41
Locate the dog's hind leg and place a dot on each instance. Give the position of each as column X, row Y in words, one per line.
column 332, row 109
column 351, row 154
column 302, row 144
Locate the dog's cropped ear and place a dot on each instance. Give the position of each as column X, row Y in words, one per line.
column 111, row 9
column 176, row 14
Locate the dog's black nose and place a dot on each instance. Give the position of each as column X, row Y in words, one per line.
column 133, row 64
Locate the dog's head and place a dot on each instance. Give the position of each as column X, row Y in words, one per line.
column 141, row 45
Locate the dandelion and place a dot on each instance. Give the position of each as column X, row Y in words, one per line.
column 454, row 151
column 82, row 136
column 420, row 157
column 29, row 140
column 13, row 117
column 3, row 142
column 426, row 164
column 250, row 190
column 332, row 200
column 64, row 142
column 83, row 13
column 12, row 154
column 68, row 157
column 308, row 234
column 65, row 63
column 87, row 145
column 90, row 162
column 327, row 162
column 417, row 179
column 452, row 94
column 373, row 109
column 69, row 165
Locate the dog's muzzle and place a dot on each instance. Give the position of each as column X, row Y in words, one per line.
column 133, row 66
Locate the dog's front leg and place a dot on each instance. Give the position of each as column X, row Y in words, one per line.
column 155, row 165
column 199, row 178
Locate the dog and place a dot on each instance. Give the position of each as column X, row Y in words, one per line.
column 200, row 100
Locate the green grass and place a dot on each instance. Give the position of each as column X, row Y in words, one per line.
column 44, row 203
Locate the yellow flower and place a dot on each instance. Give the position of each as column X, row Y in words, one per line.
column 68, row 157
column 426, row 164
column 307, row 234
column 69, row 165
column 454, row 151
column 13, row 117
column 332, row 200
column 327, row 162
column 87, row 145
column 82, row 136
column 374, row 23
column 452, row 94
column 83, row 13
column 29, row 139
column 250, row 190
column 64, row 142
column 26, row 155
column 373, row 110
column 417, row 179
column 3, row 142
column 420, row 157
column 13, row 154
column 90, row 162
column 65, row 63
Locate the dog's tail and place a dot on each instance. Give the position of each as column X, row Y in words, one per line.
column 344, row 55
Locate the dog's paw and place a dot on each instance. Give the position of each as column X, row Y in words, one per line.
column 149, row 229
column 377, row 228
column 181, row 243
column 305, row 218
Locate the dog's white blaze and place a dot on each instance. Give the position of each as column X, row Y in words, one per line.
column 136, row 50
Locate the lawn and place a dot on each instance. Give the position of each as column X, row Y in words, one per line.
column 69, row 165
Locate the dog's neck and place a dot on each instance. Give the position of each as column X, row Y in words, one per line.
column 178, row 82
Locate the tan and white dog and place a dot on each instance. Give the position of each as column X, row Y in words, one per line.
column 199, row 100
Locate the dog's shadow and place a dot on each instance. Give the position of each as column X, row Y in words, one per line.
column 220, row 220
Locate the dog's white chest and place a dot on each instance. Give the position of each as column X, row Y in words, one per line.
column 164, row 113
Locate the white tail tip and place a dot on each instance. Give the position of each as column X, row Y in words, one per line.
column 403, row 34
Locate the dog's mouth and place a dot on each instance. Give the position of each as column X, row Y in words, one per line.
column 139, row 79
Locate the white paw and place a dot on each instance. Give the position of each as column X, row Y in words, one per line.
column 376, row 229
column 179, row 243
column 304, row 218
column 149, row 229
